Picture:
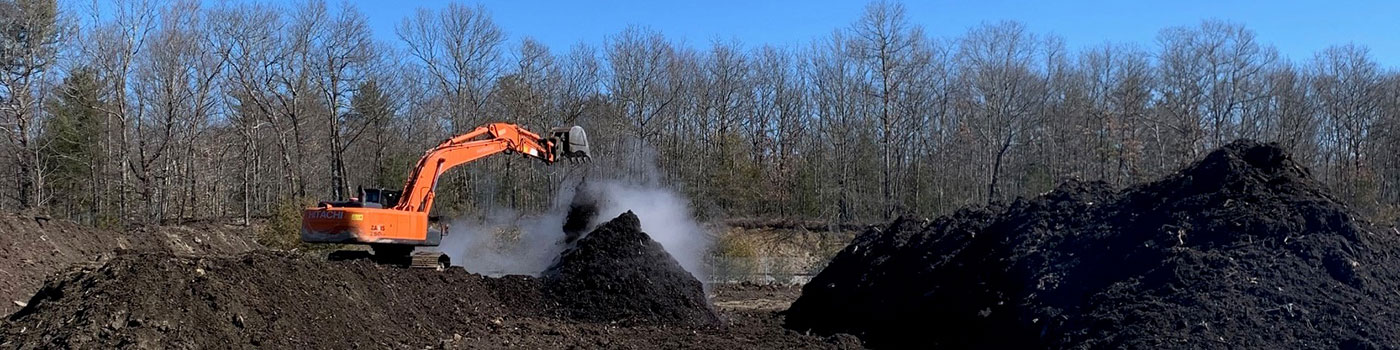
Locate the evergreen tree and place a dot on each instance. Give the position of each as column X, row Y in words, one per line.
column 373, row 117
column 71, row 143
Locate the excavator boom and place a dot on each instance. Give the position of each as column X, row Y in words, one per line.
column 397, row 229
column 501, row 137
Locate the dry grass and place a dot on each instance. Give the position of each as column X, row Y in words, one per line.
column 773, row 255
column 283, row 228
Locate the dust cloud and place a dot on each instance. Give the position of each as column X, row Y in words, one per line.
column 506, row 242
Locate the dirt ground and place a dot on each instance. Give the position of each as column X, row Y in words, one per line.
column 289, row 300
column 616, row 288
column 753, row 298
column 209, row 285
column 32, row 248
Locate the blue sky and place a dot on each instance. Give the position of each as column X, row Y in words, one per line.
column 1296, row 28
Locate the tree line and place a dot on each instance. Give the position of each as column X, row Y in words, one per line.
column 141, row 111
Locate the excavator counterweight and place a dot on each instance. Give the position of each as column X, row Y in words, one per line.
column 394, row 223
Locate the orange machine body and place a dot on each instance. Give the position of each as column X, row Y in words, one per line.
column 406, row 223
column 366, row 225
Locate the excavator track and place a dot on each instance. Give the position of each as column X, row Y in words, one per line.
column 429, row 260
column 399, row 256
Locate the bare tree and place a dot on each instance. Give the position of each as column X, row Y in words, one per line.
column 838, row 97
column 641, row 85
column 344, row 54
column 1236, row 65
column 28, row 47
column 580, row 82
column 250, row 34
column 231, row 107
column 523, row 96
column 1386, row 151
column 1005, row 89
column 886, row 41
column 459, row 47
column 1347, row 84
column 1292, row 119
column 174, row 91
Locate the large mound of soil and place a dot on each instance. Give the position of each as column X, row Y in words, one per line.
column 33, row 247
column 290, row 301
column 619, row 274
column 1241, row 249
column 270, row 299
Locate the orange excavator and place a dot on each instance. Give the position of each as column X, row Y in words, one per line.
column 395, row 223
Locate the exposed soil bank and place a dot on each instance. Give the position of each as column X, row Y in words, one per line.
column 34, row 247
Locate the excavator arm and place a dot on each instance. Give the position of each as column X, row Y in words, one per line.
column 487, row 140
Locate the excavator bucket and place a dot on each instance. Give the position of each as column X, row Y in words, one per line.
column 572, row 143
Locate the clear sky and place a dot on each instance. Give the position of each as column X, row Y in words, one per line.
column 1296, row 28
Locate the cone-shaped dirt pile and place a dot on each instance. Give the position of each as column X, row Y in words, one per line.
column 618, row 273
column 1242, row 249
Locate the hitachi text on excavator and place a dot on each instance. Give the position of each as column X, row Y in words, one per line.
column 395, row 223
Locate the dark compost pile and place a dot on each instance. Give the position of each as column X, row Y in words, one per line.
column 1243, row 249
column 618, row 273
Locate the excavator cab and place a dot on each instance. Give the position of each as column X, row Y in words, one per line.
column 380, row 197
column 368, row 198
